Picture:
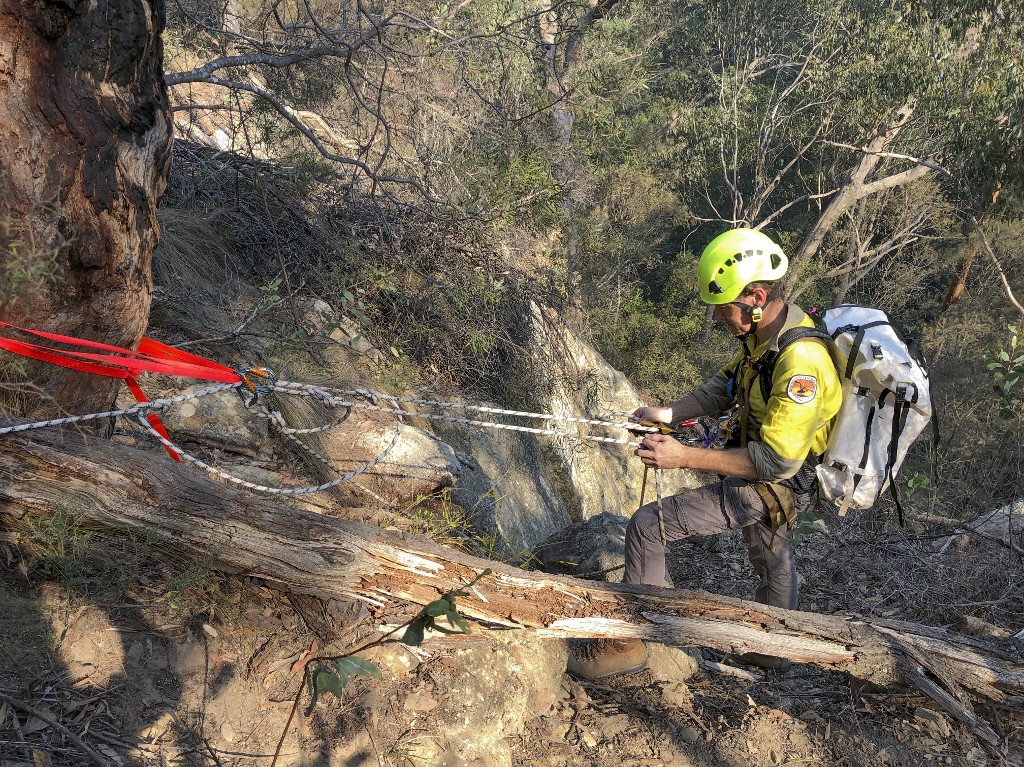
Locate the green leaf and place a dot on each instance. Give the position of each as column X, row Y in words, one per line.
column 454, row 619
column 438, row 607
column 353, row 665
column 414, row 634
column 1004, row 356
column 330, row 680
column 443, row 630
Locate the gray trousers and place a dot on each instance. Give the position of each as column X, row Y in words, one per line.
column 722, row 506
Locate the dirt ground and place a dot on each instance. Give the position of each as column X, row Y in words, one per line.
column 197, row 668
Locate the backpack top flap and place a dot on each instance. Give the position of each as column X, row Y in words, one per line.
column 872, row 353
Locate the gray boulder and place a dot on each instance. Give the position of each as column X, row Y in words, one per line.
column 593, row 548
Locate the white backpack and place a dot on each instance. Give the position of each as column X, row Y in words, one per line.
column 886, row 403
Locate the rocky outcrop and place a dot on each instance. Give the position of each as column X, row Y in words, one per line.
column 605, row 478
column 505, row 487
column 517, row 489
column 467, row 703
column 593, row 548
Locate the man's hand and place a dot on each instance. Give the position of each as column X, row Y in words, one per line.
column 660, row 451
column 655, row 414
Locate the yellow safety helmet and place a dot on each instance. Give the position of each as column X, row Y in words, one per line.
column 733, row 260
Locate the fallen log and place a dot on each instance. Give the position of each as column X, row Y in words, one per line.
column 307, row 553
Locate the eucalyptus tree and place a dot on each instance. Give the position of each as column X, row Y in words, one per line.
column 846, row 128
column 83, row 163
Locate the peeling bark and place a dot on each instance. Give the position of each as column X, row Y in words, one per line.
column 84, row 157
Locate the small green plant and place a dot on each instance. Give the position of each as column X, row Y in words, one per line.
column 915, row 482
column 440, row 518
column 332, row 674
column 29, row 247
column 62, row 544
column 66, row 548
column 440, row 608
column 1007, row 369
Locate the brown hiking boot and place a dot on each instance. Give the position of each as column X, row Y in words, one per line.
column 600, row 658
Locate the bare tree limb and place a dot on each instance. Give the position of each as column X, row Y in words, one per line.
column 203, row 74
column 995, row 261
column 91, row 753
column 895, row 156
column 857, row 187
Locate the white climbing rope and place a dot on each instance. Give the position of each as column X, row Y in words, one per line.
column 264, row 488
column 153, row 406
column 339, row 398
column 343, row 398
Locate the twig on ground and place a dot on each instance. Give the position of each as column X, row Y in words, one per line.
column 94, row 756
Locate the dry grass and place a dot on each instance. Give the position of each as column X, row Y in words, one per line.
column 432, row 294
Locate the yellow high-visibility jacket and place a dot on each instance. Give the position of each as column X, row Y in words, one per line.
column 805, row 397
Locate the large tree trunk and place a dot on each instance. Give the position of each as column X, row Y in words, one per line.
column 83, row 160
column 313, row 554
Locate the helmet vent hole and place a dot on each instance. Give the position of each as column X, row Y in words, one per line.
column 714, row 288
column 776, row 260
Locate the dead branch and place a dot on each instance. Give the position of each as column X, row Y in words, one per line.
column 995, row 261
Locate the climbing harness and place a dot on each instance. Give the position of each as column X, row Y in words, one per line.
column 705, row 432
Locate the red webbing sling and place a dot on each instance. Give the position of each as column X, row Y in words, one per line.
column 151, row 356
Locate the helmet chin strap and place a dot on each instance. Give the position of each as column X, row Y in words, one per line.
column 756, row 315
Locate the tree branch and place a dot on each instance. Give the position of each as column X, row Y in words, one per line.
column 998, row 266
column 203, row 74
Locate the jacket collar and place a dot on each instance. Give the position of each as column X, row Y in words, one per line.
column 795, row 316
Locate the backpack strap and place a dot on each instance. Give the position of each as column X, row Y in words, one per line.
column 901, row 408
column 765, row 365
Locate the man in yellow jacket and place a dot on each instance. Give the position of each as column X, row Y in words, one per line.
column 767, row 470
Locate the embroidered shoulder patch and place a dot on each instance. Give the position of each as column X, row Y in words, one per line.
column 802, row 388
